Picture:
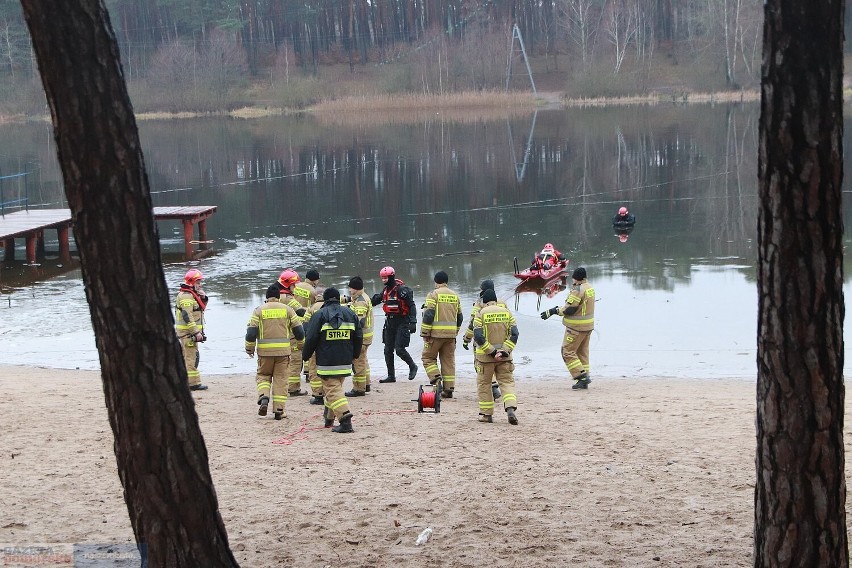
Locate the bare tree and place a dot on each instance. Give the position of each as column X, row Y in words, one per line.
column 577, row 17
column 161, row 456
column 800, row 492
column 621, row 29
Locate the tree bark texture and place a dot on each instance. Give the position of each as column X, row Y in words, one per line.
column 162, row 459
column 800, row 491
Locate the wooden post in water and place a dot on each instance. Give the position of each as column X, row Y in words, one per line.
column 31, row 248
column 202, row 234
column 187, row 238
column 64, row 247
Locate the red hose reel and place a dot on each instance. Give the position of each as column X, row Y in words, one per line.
column 429, row 398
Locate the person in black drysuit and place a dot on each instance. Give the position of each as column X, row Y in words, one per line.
column 397, row 301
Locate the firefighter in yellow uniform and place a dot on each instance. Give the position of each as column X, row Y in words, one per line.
column 287, row 282
column 468, row 333
column 442, row 320
column 306, row 294
column 190, row 304
column 578, row 317
column 268, row 333
column 311, row 375
column 495, row 334
column 360, row 303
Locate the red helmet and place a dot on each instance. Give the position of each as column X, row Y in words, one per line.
column 192, row 277
column 288, row 278
column 548, row 246
column 387, row 271
column 622, row 211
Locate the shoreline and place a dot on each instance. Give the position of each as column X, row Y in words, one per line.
column 456, row 102
column 640, row 472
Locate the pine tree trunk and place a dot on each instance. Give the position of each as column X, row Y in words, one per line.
column 161, row 456
column 800, row 492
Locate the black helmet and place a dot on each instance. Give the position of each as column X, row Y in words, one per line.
column 486, row 285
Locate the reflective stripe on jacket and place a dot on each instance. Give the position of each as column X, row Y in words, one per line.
column 334, row 334
column 494, row 328
column 582, row 296
column 442, row 315
column 189, row 317
column 305, row 294
column 363, row 308
column 270, row 328
column 477, row 305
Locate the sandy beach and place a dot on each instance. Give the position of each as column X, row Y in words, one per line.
column 632, row 472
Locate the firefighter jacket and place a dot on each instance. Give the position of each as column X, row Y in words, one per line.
column 288, row 299
column 578, row 313
column 477, row 305
column 363, row 308
column 305, row 294
column 309, row 316
column 397, row 301
column 189, row 312
column 270, row 328
column 442, row 314
column 494, row 329
column 335, row 335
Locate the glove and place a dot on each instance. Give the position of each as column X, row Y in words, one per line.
column 300, row 312
column 493, row 353
column 466, row 345
column 547, row 313
column 501, row 354
column 250, row 353
column 377, row 298
column 412, row 327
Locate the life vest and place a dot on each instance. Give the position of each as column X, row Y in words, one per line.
column 392, row 305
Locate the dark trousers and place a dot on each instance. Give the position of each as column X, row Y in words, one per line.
column 396, row 337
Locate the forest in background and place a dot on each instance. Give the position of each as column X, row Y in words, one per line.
column 214, row 55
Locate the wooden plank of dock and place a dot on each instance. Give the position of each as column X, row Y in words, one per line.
column 31, row 224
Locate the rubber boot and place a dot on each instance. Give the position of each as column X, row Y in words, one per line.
column 485, row 418
column 328, row 415
column 495, row 391
column 412, row 366
column 435, row 379
column 279, row 414
column 510, row 414
column 264, row 405
column 345, row 425
column 354, row 392
column 581, row 382
column 317, row 399
column 447, row 394
column 368, row 388
column 391, row 378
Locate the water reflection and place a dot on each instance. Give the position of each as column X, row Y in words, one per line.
column 464, row 197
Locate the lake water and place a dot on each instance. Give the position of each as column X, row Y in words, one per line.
column 423, row 194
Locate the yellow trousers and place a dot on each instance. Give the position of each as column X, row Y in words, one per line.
column 502, row 371
column 443, row 349
column 272, row 375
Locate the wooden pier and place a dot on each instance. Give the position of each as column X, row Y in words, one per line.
column 31, row 224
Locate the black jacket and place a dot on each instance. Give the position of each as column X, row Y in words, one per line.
column 403, row 295
column 335, row 334
column 620, row 222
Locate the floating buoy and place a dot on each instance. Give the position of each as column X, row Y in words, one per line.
column 429, row 399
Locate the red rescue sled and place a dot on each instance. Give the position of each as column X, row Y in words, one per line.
column 543, row 275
